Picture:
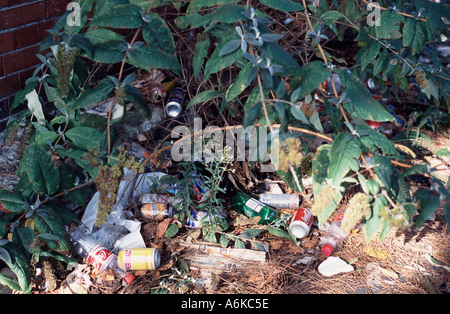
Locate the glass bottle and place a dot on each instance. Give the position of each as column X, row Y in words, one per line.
column 251, row 207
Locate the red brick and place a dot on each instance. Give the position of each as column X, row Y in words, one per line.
column 23, row 14
column 56, row 7
column 6, row 42
column 4, row 3
column 43, row 28
column 1, row 67
column 22, row 59
column 25, row 36
column 9, row 85
column 24, row 76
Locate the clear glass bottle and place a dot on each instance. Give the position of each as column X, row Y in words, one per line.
column 251, row 207
column 95, row 254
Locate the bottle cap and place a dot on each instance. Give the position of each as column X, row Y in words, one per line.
column 327, row 249
column 129, row 278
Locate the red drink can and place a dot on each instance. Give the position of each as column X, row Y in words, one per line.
column 301, row 222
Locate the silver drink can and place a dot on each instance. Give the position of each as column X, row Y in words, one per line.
column 175, row 102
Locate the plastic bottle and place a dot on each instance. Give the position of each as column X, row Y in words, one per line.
column 290, row 201
column 251, row 208
column 334, row 237
column 94, row 253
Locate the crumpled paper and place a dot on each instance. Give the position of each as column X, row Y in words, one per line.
column 334, row 265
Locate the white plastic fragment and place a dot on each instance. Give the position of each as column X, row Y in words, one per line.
column 334, row 265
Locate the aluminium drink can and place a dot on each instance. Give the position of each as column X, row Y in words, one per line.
column 139, row 259
column 301, row 223
column 175, row 102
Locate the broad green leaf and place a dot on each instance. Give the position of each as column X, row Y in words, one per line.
column 251, row 115
column 203, row 97
column 157, row 34
column 250, row 233
column 227, row 13
column 24, row 236
column 343, row 154
column 145, row 4
column 77, row 155
column 309, row 77
column 133, row 95
column 19, row 264
column 255, row 97
column 201, row 51
column 46, row 136
column 109, row 51
column 239, row 244
column 123, row 16
column 152, row 58
column 198, row 4
column 11, row 201
column 373, row 225
column 241, row 82
column 52, row 225
column 223, row 240
column 42, row 172
column 85, row 138
column 362, row 105
column 280, row 56
column 278, row 232
column 283, row 5
column 374, row 140
column 93, row 96
column 427, row 204
column 217, row 63
column 320, row 165
column 103, row 35
column 172, row 230
column 389, row 22
column 371, row 52
column 230, row 47
column 20, row 96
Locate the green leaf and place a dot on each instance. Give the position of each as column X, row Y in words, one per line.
column 230, row 47
column 374, row 140
column 54, row 225
column 239, row 244
column 103, row 35
column 83, row 43
column 19, row 98
column 198, row 4
column 157, row 34
column 278, row 232
column 122, row 16
column 24, row 236
column 389, row 22
column 109, row 51
column 427, row 204
column 85, row 138
column 343, row 154
column 362, row 105
column 217, row 63
column 42, row 172
column 292, row 178
column 250, row 233
column 373, row 225
column 281, row 57
column 320, row 165
column 45, row 136
column 241, row 82
column 251, row 115
column 152, row 58
column 223, row 240
column 172, row 230
column 227, row 13
column 309, row 77
column 201, row 51
column 283, row 5
column 203, row 97
column 93, row 96
column 135, row 97
column 19, row 264
column 12, row 201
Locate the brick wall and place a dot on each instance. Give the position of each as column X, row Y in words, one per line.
column 23, row 24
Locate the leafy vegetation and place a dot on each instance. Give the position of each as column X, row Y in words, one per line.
column 69, row 149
